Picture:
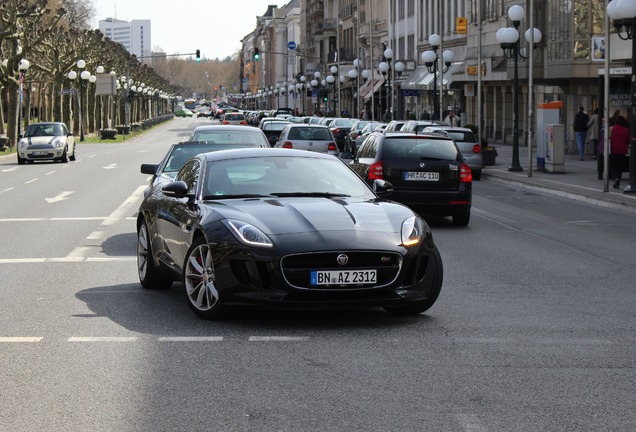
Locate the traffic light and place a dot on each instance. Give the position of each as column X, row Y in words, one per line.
column 257, row 54
column 198, row 55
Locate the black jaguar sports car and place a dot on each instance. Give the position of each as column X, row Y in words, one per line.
column 284, row 228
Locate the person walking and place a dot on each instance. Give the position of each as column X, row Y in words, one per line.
column 619, row 144
column 452, row 119
column 592, row 127
column 580, row 130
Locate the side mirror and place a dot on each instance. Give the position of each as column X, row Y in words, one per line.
column 149, row 168
column 175, row 189
column 382, row 187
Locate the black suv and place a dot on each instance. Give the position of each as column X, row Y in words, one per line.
column 427, row 172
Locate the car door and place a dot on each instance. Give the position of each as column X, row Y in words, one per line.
column 176, row 217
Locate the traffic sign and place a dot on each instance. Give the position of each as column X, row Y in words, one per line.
column 291, row 45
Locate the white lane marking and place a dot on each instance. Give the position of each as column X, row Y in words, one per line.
column 78, row 218
column 20, row 339
column 278, row 338
column 96, row 235
column 10, row 169
column 55, row 219
column 92, row 156
column 31, row 181
column 470, row 423
column 60, row 197
column 102, row 339
column 111, row 166
column 79, row 253
column 190, row 339
column 66, row 259
column 51, row 172
column 7, row 190
column 122, row 211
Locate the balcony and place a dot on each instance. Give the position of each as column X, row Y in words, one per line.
column 315, row 7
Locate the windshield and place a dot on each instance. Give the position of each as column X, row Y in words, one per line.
column 36, row 130
column 310, row 133
column 282, row 176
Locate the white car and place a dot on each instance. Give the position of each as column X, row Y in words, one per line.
column 47, row 141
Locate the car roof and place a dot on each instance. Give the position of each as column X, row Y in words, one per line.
column 450, row 128
column 262, row 152
column 225, row 128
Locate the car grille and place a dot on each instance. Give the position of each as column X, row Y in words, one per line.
column 297, row 268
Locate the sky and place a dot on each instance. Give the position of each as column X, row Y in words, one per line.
column 216, row 27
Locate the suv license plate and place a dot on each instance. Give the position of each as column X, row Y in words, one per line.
column 421, row 176
column 343, row 277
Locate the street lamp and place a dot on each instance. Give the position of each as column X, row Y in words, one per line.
column 431, row 60
column 623, row 15
column 508, row 37
column 385, row 69
column 23, row 67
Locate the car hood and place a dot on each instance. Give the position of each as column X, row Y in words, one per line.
column 280, row 216
column 39, row 140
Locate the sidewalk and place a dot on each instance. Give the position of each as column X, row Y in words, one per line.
column 578, row 182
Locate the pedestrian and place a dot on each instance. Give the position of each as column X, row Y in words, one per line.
column 619, row 144
column 426, row 115
column 386, row 117
column 592, row 127
column 580, row 130
column 452, row 119
column 612, row 119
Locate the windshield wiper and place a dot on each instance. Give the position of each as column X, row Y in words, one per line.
column 235, row 196
column 310, row 194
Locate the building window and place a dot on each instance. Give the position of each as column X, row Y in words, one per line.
column 410, row 8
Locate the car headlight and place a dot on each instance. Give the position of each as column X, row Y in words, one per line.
column 22, row 144
column 59, row 143
column 249, row 234
column 413, row 231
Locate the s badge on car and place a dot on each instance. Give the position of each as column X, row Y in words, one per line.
column 342, row 259
column 422, row 164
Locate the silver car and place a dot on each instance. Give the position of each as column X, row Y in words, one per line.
column 302, row 136
column 46, row 141
column 467, row 143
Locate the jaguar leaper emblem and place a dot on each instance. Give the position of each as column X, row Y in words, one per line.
column 342, row 259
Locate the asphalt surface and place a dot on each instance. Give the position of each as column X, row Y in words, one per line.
column 578, row 181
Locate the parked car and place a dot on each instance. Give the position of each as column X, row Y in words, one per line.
column 307, row 137
column 183, row 112
column 273, row 128
column 355, row 132
column 466, row 140
column 204, row 111
column 368, row 129
column 340, row 127
column 234, row 118
column 427, row 171
column 417, row 125
column 395, row 125
column 229, row 135
column 46, row 141
column 285, row 229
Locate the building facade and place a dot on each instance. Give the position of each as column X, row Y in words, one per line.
column 348, row 40
column 134, row 35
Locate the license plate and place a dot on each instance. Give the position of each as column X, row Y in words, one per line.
column 421, row 176
column 40, row 153
column 343, row 277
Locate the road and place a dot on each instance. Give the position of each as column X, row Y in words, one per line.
column 534, row 329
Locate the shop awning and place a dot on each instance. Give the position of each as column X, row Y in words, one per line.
column 422, row 79
column 370, row 87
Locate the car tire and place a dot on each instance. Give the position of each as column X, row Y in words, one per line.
column 461, row 219
column 74, row 154
column 64, row 157
column 436, row 286
column 21, row 161
column 199, row 281
column 149, row 275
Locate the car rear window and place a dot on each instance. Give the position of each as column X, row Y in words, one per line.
column 272, row 126
column 234, row 117
column 233, row 137
column 309, row 133
column 407, row 148
column 463, row 136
